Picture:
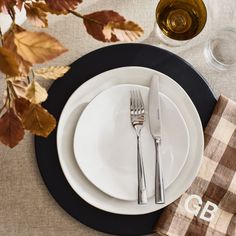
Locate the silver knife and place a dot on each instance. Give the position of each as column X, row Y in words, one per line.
column 155, row 127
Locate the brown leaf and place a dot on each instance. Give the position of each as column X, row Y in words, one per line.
column 5, row 5
column 44, row 7
column 21, row 105
column 11, row 129
column 52, row 72
column 36, row 15
column 35, row 93
column 126, row 31
column 38, row 121
column 24, row 66
column 8, row 63
column 19, row 85
column 34, row 117
column 62, row 5
column 103, row 17
column 37, row 47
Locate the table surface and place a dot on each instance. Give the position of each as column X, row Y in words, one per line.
column 26, row 207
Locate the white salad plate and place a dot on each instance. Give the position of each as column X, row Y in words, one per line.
column 72, row 112
column 105, row 143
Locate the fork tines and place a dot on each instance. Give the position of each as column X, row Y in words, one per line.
column 136, row 103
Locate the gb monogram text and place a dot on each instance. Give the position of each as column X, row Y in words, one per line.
column 194, row 205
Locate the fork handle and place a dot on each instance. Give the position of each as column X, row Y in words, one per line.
column 159, row 185
column 142, row 190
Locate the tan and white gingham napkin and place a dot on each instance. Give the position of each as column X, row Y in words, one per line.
column 214, row 185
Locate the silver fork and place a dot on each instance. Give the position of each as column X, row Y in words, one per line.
column 137, row 116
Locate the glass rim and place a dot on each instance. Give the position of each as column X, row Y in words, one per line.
column 209, row 50
column 201, row 29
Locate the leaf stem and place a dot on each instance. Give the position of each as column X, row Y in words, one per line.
column 1, row 36
column 85, row 17
column 12, row 89
column 33, row 74
column 8, row 99
column 12, row 14
column 2, row 108
column 1, row 40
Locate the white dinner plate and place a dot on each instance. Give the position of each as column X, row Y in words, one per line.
column 105, row 144
column 72, row 111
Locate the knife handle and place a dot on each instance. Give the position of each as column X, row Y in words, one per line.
column 159, row 184
column 142, row 190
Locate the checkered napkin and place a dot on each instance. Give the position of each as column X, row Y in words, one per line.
column 209, row 206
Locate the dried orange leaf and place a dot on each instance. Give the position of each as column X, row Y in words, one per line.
column 52, row 72
column 127, row 31
column 36, row 15
column 37, row 47
column 19, row 85
column 38, row 120
column 8, row 63
column 62, row 5
column 24, row 66
column 102, row 18
column 11, row 129
column 44, row 7
column 21, row 105
column 35, row 93
column 35, row 118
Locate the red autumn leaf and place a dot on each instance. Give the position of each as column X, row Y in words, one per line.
column 11, row 129
column 102, row 18
column 62, row 5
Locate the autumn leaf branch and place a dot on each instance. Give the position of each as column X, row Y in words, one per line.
column 21, row 49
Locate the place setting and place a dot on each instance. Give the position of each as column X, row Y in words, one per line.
column 142, row 144
column 129, row 141
column 95, row 146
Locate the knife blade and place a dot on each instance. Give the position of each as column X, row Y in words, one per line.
column 155, row 128
column 154, row 108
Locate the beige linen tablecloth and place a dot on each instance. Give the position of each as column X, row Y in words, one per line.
column 26, row 207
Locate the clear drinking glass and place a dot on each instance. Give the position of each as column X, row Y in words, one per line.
column 220, row 49
column 178, row 21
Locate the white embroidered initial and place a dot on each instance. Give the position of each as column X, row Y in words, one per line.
column 193, row 205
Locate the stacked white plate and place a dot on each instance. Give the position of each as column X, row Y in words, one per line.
column 97, row 144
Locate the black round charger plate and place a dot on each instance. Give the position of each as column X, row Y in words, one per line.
column 83, row 69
